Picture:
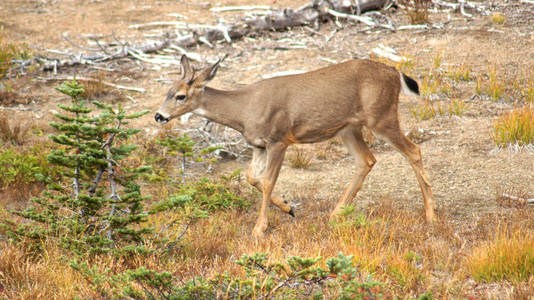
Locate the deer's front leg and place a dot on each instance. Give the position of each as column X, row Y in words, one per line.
column 275, row 157
column 255, row 174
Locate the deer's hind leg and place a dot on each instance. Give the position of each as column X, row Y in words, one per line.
column 353, row 139
column 255, row 173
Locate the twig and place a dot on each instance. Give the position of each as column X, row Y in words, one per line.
column 240, row 8
column 142, row 57
column 362, row 19
column 521, row 199
column 462, row 9
column 18, row 108
column 97, row 41
column 159, row 24
column 191, row 55
column 64, row 36
column 411, row 27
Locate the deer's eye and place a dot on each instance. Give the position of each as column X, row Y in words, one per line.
column 180, row 97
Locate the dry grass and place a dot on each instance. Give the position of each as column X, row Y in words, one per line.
column 429, row 110
column 460, row 73
column 508, row 256
column 299, row 158
column 494, row 87
column 498, row 18
column 13, row 133
column 515, row 127
column 48, row 277
column 95, row 89
column 389, row 242
column 416, row 10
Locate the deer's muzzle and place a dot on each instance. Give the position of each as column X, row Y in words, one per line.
column 160, row 118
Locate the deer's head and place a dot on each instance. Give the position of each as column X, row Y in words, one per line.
column 184, row 95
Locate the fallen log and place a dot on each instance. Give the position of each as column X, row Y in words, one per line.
column 312, row 14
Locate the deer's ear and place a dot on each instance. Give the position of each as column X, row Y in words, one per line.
column 187, row 71
column 207, row 74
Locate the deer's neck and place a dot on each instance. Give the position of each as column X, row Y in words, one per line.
column 223, row 107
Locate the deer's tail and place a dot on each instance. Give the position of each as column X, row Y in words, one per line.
column 409, row 85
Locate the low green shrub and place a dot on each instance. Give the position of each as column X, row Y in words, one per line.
column 295, row 278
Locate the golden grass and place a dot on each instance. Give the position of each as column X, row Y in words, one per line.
column 460, row 73
column 515, row 127
column 457, row 107
column 508, row 256
column 429, row 110
column 498, row 18
column 389, row 242
column 48, row 277
column 494, row 87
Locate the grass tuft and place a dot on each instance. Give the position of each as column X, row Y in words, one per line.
column 506, row 257
column 429, row 110
column 457, row 107
column 299, row 159
column 417, row 10
column 424, row 112
column 494, row 89
column 515, row 127
column 498, row 18
column 10, row 52
column 13, row 133
column 96, row 89
column 460, row 73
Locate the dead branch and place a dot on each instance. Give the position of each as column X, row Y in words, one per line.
column 461, row 6
column 311, row 14
column 520, row 199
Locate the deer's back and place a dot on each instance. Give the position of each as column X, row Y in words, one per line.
column 319, row 103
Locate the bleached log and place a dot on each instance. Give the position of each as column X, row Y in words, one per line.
column 364, row 20
column 388, row 53
column 240, row 8
column 311, row 14
column 158, row 24
column 412, row 27
column 520, row 199
column 194, row 56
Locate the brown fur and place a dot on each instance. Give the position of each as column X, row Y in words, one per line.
column 306, row 108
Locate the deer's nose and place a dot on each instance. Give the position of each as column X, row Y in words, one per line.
column 160, row 118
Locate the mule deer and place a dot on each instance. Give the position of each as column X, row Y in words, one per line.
column 306, row 108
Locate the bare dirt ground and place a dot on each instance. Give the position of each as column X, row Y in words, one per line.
column 465, row 169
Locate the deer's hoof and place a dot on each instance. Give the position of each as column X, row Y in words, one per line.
column 258, row 234
column 259, row 230
column 292, row 212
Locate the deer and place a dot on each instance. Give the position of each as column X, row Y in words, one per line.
column 272, row 114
